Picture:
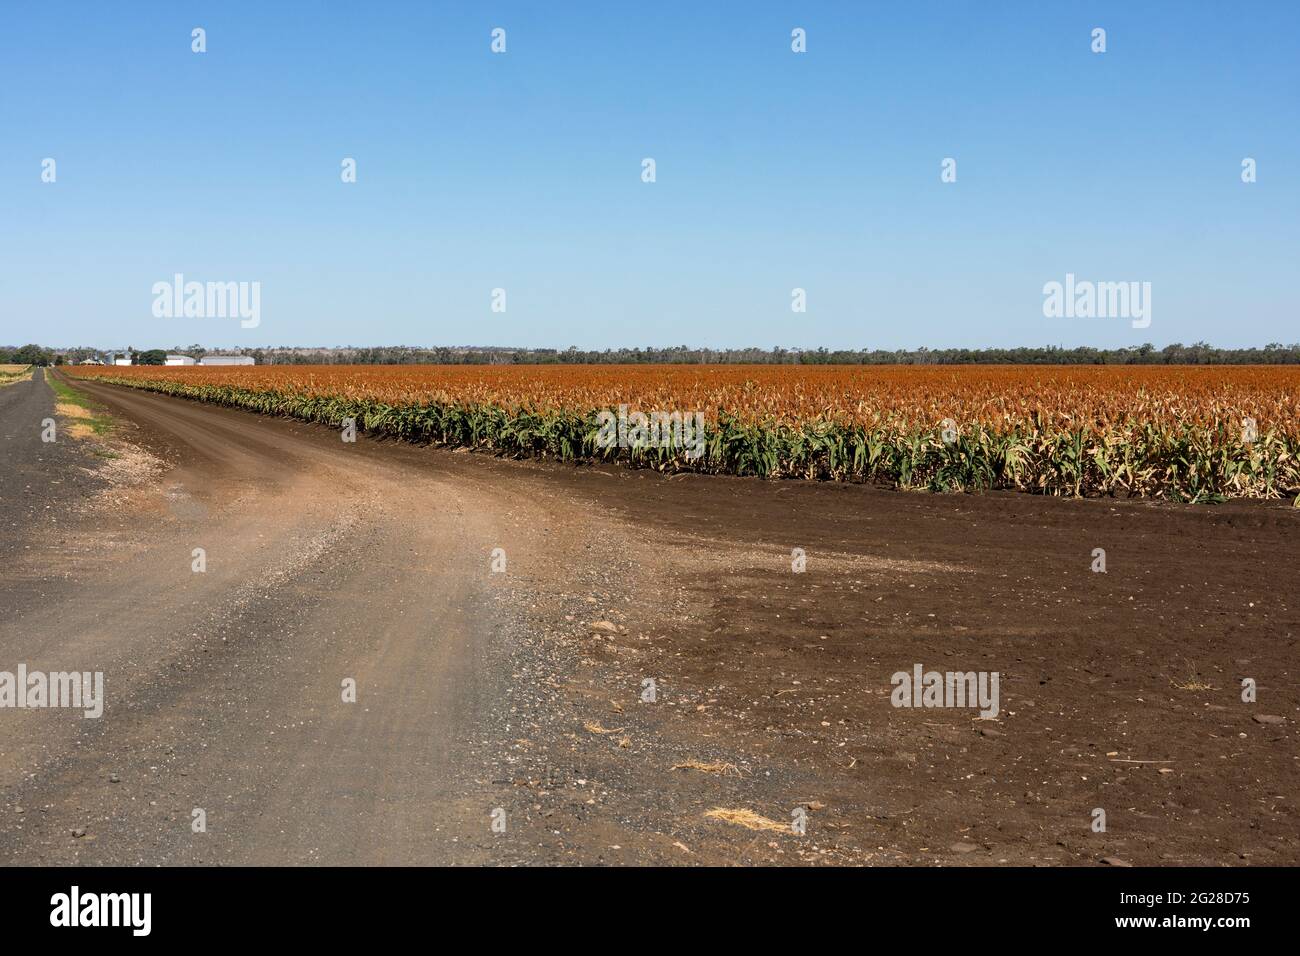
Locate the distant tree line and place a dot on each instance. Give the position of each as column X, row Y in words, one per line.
column 28, row 355
column 1199, row 353
column 1177, row 354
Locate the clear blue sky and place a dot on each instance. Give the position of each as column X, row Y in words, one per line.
column 775, row 171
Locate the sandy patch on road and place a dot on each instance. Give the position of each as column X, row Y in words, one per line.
column 128, row 470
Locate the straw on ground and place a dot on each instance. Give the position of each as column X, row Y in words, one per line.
column 747, row 819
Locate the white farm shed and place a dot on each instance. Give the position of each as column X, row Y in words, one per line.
column 179, row 360
column 226, row 360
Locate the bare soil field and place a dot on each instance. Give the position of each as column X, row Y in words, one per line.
column 524, row 695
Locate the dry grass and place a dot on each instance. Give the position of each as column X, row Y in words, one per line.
column 9, row 374
column 718, row 767
column 1192, row 682
column 78, row 427
column 747, row 819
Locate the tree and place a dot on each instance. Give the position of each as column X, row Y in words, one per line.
column 31, row 355
column 151, row 357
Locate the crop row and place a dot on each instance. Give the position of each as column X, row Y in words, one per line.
column 1189, row 461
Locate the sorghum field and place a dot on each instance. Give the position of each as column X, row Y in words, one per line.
column 1189, row 433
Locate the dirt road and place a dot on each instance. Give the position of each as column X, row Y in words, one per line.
column 648, row 654
column 322, row 563
column 36, row 476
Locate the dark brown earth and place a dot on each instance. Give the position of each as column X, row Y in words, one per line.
column 481, row 690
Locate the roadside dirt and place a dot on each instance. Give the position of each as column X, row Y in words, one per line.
column 37, row 478
column 523, row 690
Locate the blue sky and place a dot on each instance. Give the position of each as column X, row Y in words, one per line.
column 775, row 170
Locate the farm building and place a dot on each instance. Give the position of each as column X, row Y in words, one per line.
column 122, row 360
column 179, row 360
column 226, row 360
